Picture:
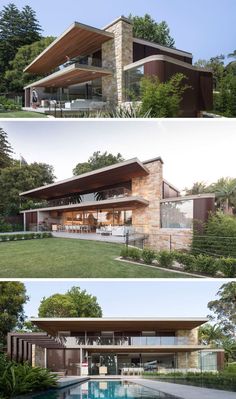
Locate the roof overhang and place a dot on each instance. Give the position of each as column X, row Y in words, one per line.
column 116, row 203
column 164, row 58
column 189, row 197
column 53, row 325
column 95, row 180
column 78, row 39
column 73, row 74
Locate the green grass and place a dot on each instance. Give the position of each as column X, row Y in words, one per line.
column 64, row 257
column 22, row 114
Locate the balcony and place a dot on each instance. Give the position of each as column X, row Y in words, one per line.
column 113, row 193
column 123, row 341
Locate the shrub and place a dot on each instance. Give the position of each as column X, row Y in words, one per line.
column 165, row 258
column 205, row 264
column 124, row 252
column 227, row 266
column 19, row 379
column 185, row 259
column 148, row 255
column 130, row 252
column 8, row 105
column 162, row 100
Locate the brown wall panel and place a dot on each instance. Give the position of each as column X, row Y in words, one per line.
column 141, row 51
column 56, row 359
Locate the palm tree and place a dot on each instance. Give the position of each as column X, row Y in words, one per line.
column 225, row 191
column 210, row 334
column 198, row 187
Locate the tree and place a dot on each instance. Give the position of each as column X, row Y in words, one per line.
column 14, row 77
column 216, row 66
column 19, row 178
column 225, row 191
column 148, row 29
column 224, row 308
column 197, row 188
column 17, row 28
column 162, row 100
column 12, row 299
column 96, row 161
column 57, row 305
column 210, row 334
column 5, row 150
column 74, row 303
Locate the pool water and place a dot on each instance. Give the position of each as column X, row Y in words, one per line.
column 104, row 389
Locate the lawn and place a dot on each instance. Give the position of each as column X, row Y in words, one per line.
column 22, row 114
column 69, row 258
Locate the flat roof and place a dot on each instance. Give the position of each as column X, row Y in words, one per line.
column 53, row 325
column 116, row 203
column 73, row 74
column 110, row 175
column 78, row 39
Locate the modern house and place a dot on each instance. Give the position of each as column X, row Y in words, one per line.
column 90, row 68
column 115, row 346
column 128, row 197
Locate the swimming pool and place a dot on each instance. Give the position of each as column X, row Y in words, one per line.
column 104, row 389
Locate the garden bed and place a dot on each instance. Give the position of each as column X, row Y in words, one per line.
column 199, row 265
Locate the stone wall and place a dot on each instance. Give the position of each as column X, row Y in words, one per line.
column 147, row 219
column 39, row 356
column 171, row 239
column 190, row 359
column 115, row 55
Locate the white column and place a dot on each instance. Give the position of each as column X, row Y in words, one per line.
column 45, row 358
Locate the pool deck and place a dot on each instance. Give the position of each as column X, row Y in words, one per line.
column 186, row 391
column 64, row 382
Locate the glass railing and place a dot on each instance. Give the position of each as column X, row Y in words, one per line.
column 124, row 341
column 90, row 61
column 112, row 193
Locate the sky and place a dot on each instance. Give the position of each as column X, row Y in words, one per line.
column 135, row 298
column 205, row 28
column 192, row 149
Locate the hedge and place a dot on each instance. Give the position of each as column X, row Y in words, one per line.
column 23, row 236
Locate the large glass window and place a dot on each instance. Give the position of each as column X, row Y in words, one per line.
column 177, row 214
column 208, row 361
column 132, row 82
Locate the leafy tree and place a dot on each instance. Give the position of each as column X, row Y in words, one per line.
column 148, row 29
column 162, row 100
column 232, row 55
column 17, row 28
column 57, row 305
column 15, row 78
column 5, row 150
column 19, row 178
column 74, row 303
column 224, row 308
column 216, row 66
column 197, row 188
column 225, row 191
column 12, row 299
column 96, row 161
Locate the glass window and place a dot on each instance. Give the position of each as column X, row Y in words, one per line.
column 208, row 361
column 132, row 83
column 177, row 214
